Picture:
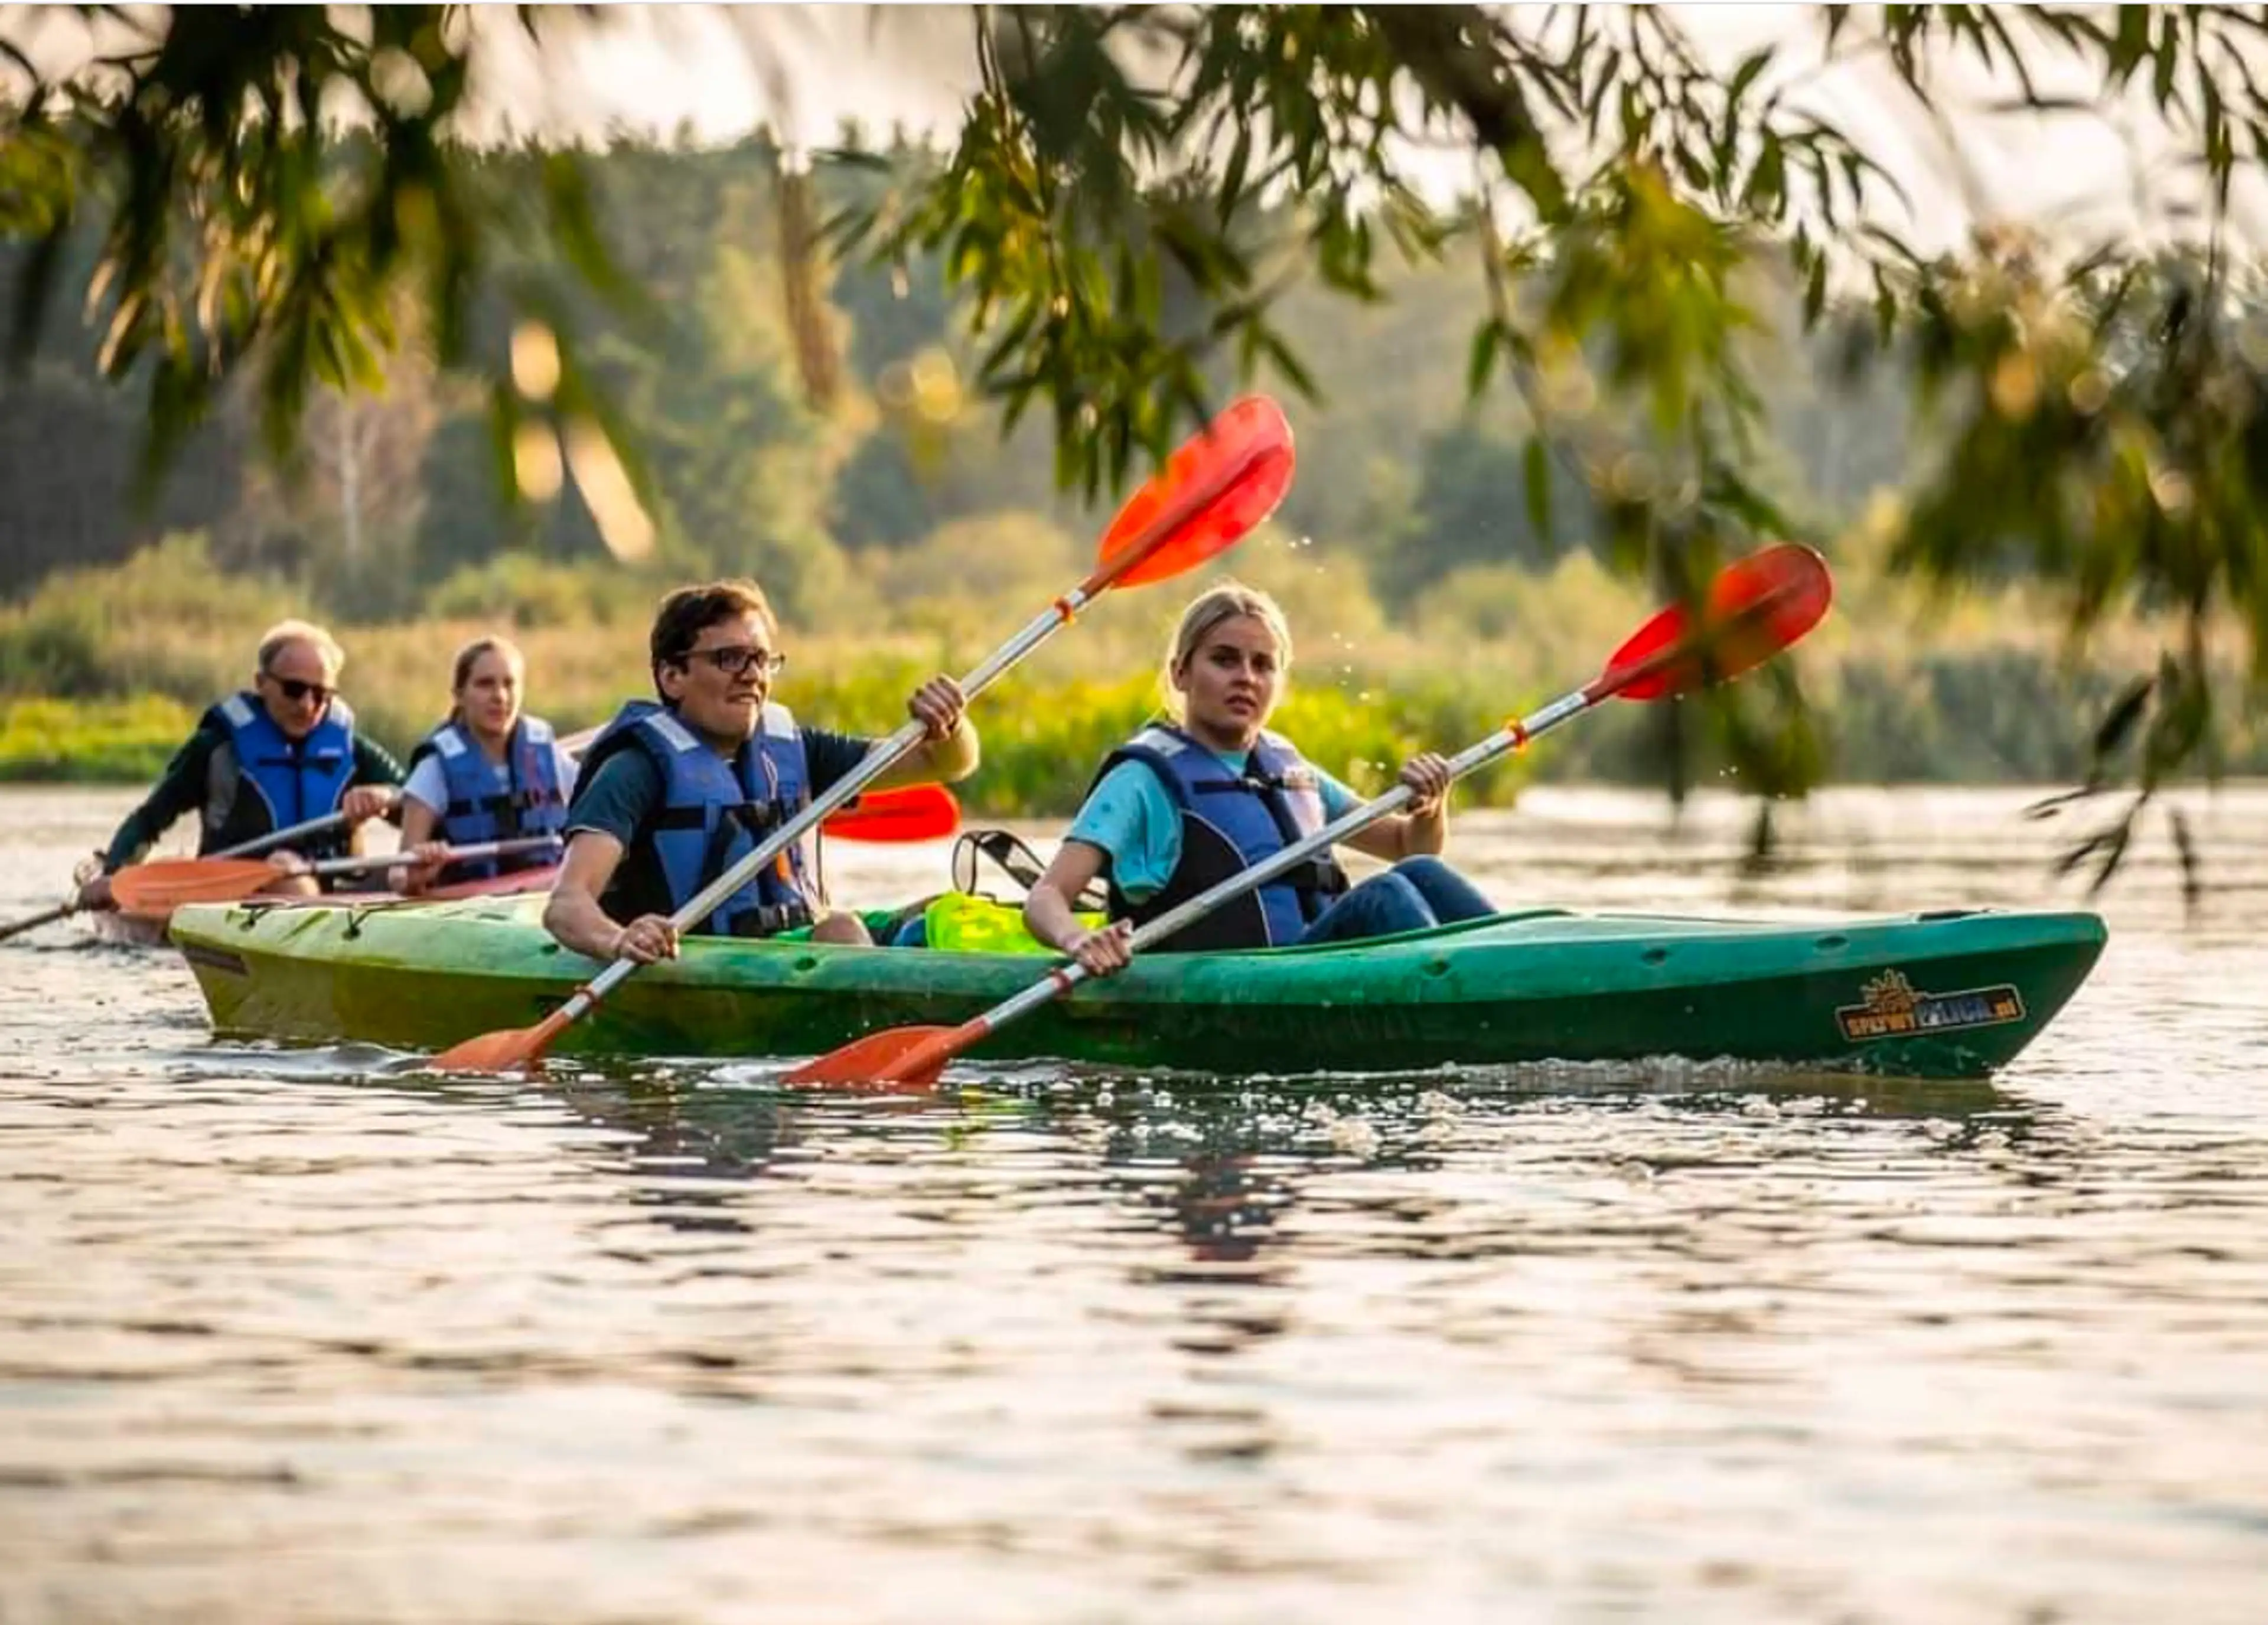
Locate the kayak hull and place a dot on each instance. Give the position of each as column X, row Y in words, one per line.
column 148, row 928
column 1953, row 995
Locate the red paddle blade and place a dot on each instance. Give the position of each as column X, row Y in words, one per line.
column 160, row 888
column 881, row 1060
column 1251, row 434
column 1756, row 607
column 917, row 812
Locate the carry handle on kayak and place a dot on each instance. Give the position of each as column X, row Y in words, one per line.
column 1756, row 607
column 1215, row 488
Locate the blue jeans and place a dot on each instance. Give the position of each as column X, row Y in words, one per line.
column 1414, row 894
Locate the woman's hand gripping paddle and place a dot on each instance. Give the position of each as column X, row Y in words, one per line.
column 1210, row 492
column 1756, row 607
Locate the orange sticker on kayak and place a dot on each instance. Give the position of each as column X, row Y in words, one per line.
column 1893, row 1007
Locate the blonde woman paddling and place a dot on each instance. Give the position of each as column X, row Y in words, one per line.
column 490, row 772
column 1183, row 804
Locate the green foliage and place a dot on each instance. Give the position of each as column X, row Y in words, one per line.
column 1140, row 204
column 519, row 591
column 57, row 741
column 245, row 236
column 1984, row 698
column 152, row 627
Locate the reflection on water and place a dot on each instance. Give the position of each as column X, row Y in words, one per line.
column 309, row 1335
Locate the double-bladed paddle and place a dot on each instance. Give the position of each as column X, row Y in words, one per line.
column 1756, row 607
column 1210, row 492
column 162, row 887
column 273, row 838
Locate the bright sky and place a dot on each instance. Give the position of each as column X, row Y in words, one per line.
column 721, row 70
column 808, row 67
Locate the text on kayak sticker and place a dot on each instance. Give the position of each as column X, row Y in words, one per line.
column 1893, row 1007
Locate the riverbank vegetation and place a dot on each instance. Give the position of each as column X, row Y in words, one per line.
column 1437, row 578
column 102, row 670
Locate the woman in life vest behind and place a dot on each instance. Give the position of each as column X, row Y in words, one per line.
column 490, row 772
column 281, row 752
column 672, row 795
column 1185, row 804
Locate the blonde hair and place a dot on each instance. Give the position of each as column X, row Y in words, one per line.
column 283, row 634
column 460, row 666
column 1223, row 601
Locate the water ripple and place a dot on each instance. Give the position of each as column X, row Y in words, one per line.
column 308, row 1336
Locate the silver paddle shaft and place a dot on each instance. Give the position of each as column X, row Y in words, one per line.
column 277, row 837
column 1506, row 739
column 480, row 852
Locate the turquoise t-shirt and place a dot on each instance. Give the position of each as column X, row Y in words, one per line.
column 1132, row 817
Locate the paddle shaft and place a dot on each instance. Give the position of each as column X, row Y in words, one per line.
column 277, row 837
column 18, row 927
column 479, row 852
column 887, row 753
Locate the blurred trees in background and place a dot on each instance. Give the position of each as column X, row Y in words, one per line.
column 1672, row 311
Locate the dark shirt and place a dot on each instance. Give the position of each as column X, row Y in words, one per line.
column 187, row 786
column 626, row 792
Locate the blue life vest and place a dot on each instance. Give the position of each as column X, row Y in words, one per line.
column 1230, row 822
column 531, row 803
column 713, row 813
column 281, row 782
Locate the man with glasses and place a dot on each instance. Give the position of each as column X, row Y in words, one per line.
column 671, row 795
column 281, row 752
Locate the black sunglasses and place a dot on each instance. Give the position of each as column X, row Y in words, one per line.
column 734, row 658
column 295, row 690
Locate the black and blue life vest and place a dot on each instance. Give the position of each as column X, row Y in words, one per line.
column 530, row 801
column 1229, row 822
column 714, row 813
column 280, row 781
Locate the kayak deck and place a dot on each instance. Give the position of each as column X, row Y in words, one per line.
column 1953, row 993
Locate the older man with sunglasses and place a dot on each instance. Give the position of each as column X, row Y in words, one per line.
column 673, row 794
column 281, row 753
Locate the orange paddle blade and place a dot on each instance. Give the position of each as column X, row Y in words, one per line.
column 917, row 812
column 159, row 888
column 1251, row 432
column 910, row 1057
column 515, row 1049
column 1756, row 607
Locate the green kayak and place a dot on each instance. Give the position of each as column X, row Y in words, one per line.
column 1955, row 994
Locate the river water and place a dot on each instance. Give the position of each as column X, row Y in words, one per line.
column 300, row 1336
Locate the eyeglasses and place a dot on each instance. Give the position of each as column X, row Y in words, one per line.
column 733, row 659
column 295, row 690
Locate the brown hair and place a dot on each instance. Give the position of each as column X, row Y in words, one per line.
column 460, row 669
column 1224, row 600
column 689, row 611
